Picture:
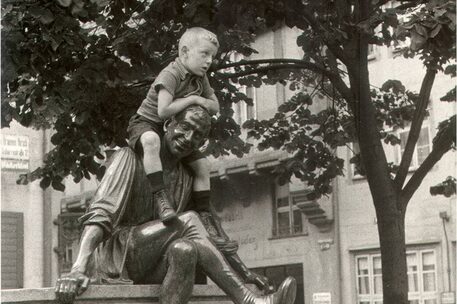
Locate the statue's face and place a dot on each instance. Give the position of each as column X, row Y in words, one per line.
column 186, row 134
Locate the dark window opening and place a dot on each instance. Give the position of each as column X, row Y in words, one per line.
column 277, row 274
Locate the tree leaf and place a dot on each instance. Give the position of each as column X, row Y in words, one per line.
column 435, row 30
column 450, row 70
column 421, row 30
column 64, row 3
column 446, row 188
column 58, row 185
column 43, row 14
column 45, row 182
column 417, row 41
column 450, row 96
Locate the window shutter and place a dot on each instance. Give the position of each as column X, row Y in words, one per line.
column 12, row 250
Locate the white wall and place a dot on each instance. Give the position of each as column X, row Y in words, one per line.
column 29, row 201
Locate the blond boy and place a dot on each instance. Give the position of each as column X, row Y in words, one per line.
column 181, row 84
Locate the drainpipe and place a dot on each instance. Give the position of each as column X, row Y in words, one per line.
column 336, row 216
column 445, row 218
column 47, row 225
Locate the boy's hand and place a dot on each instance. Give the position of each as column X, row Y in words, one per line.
column 202, row 101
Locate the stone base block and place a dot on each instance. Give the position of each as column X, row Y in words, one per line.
column 113, row 294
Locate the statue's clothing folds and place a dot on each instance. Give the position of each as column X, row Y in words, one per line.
column 124, row 200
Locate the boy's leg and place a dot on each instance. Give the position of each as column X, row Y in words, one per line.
column 201, row 185
column 150, row 143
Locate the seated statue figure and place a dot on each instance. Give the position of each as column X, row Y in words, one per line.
column 124, row 242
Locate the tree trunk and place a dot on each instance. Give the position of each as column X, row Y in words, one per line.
column 391, row 229
column 383, row 191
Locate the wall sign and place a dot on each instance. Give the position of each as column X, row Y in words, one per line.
column 15, row 152
column 322, row 298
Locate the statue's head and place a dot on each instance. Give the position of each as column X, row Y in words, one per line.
column 187, row 131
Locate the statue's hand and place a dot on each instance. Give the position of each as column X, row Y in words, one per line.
column 71, row 285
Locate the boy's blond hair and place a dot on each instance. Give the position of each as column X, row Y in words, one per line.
column 191, row 35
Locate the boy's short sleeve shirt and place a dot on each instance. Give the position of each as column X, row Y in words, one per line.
column 179, row 83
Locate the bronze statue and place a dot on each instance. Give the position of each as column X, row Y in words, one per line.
column 123, row 242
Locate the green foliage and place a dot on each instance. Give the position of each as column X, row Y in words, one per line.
column 446, row 188
column 446, row 134
column 450, row 96
column 82, row 68
column 431, row 29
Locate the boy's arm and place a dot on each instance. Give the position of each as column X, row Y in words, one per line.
column 211, row 104
column 167, row 107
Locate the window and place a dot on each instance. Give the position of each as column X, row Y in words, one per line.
column 287, row 216
column 12, row 251
column 243, row 111
column 422, row 147
column 422, row 277
column 395, row 153
column 369, row 279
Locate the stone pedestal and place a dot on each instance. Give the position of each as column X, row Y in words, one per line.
column 112, row 294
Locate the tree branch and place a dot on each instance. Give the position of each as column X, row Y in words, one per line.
column 416, row 126
column 298, row 64
column 338, row 83
column 320, row 30
column 383, row 2
column 262, row 61
column 442, row 144
column 343, row 10
column 301, row 65
column 407, row 5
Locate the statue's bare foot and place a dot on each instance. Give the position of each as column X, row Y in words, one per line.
column 71, row 285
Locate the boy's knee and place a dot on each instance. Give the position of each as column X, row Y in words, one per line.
column 150, row 140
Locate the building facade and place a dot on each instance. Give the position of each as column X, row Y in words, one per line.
column 27, row 212
column 336, row 257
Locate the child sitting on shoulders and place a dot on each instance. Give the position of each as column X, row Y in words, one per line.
column 182, row 83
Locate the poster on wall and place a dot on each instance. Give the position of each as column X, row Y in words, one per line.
column 15, row 152
column 322, row 298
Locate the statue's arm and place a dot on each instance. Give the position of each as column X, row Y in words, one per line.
column 76, row 282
